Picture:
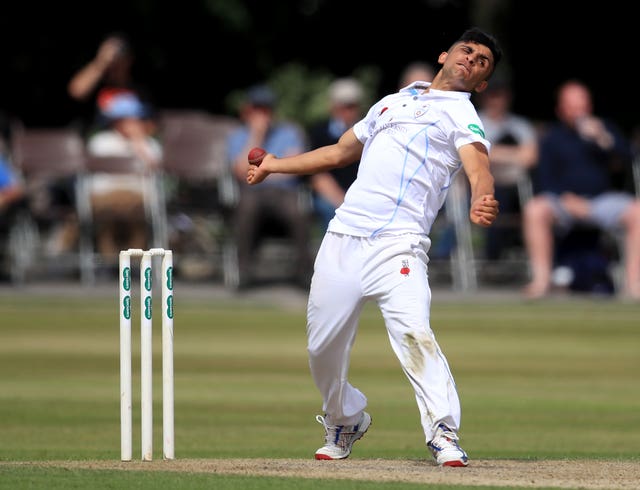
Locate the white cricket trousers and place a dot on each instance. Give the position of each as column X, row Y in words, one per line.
column 391, row 270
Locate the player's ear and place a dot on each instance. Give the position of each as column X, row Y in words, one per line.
column 442, row 58
column 481, row 86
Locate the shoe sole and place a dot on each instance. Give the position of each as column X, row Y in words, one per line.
column 455, row 464
column 326, row 457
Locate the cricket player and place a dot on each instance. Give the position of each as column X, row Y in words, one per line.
column 410, row 145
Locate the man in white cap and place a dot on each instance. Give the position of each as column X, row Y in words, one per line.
column 345, row 108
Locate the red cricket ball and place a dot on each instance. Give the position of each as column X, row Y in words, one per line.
column 256, row 155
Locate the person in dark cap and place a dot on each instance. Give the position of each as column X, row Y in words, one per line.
column 275, row 207
column 261, row 96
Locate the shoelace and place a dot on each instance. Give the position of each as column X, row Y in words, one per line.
column 444, row 431
column 444, row 436
column 336, row 434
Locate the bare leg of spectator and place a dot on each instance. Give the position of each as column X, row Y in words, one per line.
column 538, row 237
column 631, row 221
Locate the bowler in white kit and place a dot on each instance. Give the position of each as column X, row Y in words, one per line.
column 411, row 145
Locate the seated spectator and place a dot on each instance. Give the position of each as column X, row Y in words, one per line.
column 273, row 204
column 123, row 125
column 117, row 97
column 13, row 196
column 345, row 108
column 12, row 189
column 118, row 201
column 573, row 186
column 514, row 151
column 108, row 74
column 128, row 129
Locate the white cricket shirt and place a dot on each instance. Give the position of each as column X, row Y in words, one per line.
column 410, row 157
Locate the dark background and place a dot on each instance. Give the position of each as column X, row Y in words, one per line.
column 193, row 53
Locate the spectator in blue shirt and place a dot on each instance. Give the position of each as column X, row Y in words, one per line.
column 273, row 205
column 12, row 189
column 12, row 193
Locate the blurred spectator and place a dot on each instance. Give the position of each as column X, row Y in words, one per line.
column 13, row 196
column 117, row 200
column 124, row 126
column 12, row 188
column 12, row 191
column 275, row 205
column 345, row 108
column 416, row 71
column 121, row 104
column 573, row 186
column 514, row 151
column 128, row 135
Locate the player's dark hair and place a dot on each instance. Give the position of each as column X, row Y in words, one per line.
column 477, row 35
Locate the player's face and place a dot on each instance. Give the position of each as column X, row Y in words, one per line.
column 468, row 65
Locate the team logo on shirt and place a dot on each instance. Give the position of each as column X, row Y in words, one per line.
column 404, row 270
column 382, row 111
column 474, row 128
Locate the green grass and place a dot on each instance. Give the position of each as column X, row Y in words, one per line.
column 537, row 381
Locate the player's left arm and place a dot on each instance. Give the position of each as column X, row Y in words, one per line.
column 484, row 207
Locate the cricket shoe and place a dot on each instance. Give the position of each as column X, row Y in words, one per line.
column 444, row 448
column 340, row 438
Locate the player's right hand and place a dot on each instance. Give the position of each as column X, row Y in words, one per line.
column 256, row 174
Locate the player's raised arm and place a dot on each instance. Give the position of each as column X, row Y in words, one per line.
column 484, row 207
column 346, row 151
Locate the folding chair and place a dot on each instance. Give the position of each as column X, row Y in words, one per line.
column 464, row 263
column 126, row 173
column 505, row 259
column 618, row 266
column 199, row 195
column 51, row 160
column 463, row 266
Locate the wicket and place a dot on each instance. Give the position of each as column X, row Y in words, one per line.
column 146, row 350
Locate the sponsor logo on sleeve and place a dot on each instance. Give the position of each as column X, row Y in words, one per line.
column 474, row 128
